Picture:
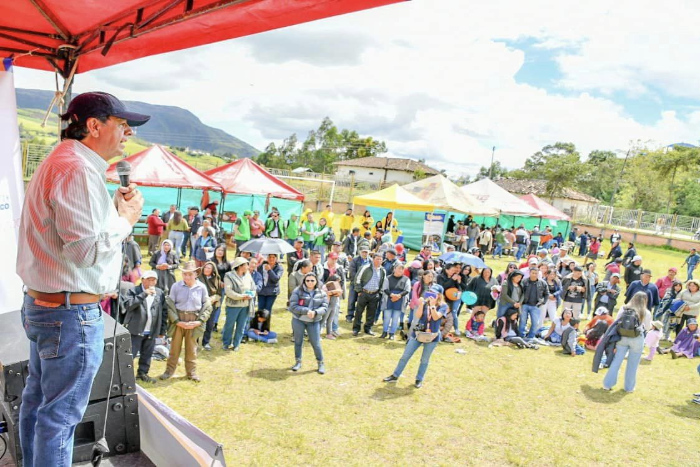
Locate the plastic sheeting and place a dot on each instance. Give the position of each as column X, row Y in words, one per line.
column 445, row 195
column 246, row 177
column 496, row 197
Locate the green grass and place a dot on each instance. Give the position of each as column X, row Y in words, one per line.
column 489, row 407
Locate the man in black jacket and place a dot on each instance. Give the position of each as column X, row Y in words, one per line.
column 146, row 317
column 298, row 254
column 368, row 284
column 357, row 263
column 535, row 293
column 351, row 243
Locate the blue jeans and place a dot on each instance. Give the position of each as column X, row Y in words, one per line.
column 456, row 308
column 470, row 243
column 392, row 318
column 60, row 378
column 185, row 242
column 178, row 239
column 690, row 272
column 314, row 332
column 213, row 319
column 498, row 250
column 502, row 308
column 520, row 252
column 535, row 320
column 261, row 337
column 237, row 315
column 635, row 347
column 266, row 302
column 411, row 346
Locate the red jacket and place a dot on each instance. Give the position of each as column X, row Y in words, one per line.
column 155, row 225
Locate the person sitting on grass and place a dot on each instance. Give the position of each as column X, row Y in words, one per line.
column 686, row 343
column 568, row 340
column 475, row 327
column 653, row 338
column 507, row 331
column 559, row 325
column 259, row 328
column 595, row 333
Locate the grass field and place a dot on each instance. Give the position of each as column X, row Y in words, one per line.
column 487, row 407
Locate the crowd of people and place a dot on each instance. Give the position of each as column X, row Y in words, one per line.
column 540, row 299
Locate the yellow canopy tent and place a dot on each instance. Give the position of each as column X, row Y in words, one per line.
column 394, row 197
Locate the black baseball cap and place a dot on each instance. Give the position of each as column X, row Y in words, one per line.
column 101, row 104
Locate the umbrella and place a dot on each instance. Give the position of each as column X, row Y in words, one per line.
column 267, row 246
column 463, row 258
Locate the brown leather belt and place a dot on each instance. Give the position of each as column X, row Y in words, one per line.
column 59, row 298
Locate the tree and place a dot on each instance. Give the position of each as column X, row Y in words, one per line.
column 497, row 171
column 599, row 173
column 668, row 163
column 558, row 164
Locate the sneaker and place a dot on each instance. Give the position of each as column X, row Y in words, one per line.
column 165, row 376
column 236, row 349
column 696, row 401
column 369, row 332
column 207, row 348
column 390, row 379
column 391, row 337
column 336, row 333
column 272, row 341
column 457, row 333
column 383, row 336
column 194, row 378
column 297, row 366
column 419, row 384
column 321, row 368
column 697, row 394
column 330, row 337
column 606, row 389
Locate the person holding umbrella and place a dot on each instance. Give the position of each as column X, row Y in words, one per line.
column 271, row 271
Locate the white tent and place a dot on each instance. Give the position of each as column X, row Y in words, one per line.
column 447, row 196
column 493, row 196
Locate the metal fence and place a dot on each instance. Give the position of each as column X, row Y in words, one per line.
column 636, row 219
column 32, row 155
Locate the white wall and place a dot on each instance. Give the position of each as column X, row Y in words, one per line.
column 364, row 174
column 570, row 206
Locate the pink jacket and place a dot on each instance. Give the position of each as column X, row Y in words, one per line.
column 652, row 339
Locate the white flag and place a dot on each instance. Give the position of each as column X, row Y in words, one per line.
column 11, row 190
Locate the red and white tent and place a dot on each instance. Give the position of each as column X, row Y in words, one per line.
column 245, row 177
column 546, row 210
column 156, row 166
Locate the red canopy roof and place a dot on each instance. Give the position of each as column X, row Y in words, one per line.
column 156, row 166
column 246, row 177
column 547, row 211
column 108, row 32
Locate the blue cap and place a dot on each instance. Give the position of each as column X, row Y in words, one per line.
column 437, row 288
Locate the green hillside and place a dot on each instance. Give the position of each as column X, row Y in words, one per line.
column 32, row 132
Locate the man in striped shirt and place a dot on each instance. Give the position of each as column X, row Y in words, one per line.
column 69, row 254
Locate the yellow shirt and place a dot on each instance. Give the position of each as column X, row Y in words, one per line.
column 329, row 216
column 346, row 222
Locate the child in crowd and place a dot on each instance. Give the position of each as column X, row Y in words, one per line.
column 653, row 338
column 475, row 327
column 259, row 328
column 508, row 332
column 569, row 339
column 595, row 333
column 665, row 314
column 334, row 291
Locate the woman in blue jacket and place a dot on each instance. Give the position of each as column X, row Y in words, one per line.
column 271, row 272
column 204, row 247
column 427, row 318
column 308, row 304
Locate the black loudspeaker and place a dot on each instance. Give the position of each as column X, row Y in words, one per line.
column 122, row 435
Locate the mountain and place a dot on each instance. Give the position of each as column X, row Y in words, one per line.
column 169, row 125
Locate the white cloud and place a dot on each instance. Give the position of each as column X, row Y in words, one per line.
column 433, row 79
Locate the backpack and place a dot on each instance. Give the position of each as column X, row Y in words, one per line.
column 329, row 238
column 628, row 324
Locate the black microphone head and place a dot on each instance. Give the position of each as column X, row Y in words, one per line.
column 123, row 168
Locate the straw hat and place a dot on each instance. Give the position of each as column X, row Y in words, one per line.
column 190, row 266
column 238, row 262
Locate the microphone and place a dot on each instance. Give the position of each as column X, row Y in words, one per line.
column 124, row 172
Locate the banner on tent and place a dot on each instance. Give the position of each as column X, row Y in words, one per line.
column 11, row 190
column 433, row 226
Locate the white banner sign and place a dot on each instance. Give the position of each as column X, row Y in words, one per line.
column 11, row 190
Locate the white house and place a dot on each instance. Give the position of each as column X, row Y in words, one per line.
column 385, row 170
column 569, row 201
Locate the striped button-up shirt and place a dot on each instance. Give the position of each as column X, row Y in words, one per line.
column 70, row 231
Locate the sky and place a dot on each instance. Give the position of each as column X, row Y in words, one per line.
column 443, row 80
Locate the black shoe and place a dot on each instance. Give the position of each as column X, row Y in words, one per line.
column 697, row 394
column 391, row 337
column 369, row 332
column 390, row 379
column 297, row 366
column 144, row 377
column 383, row 336
column 349, row 319
column 419, row 384
column 355, row 333
column 401, row 327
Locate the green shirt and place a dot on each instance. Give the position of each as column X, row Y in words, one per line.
column 292, row 230
column 500, row 238
column 308, row 227
column 270, row 226
column 243, row 232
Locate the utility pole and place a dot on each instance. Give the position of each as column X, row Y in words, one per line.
column 493, row 151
